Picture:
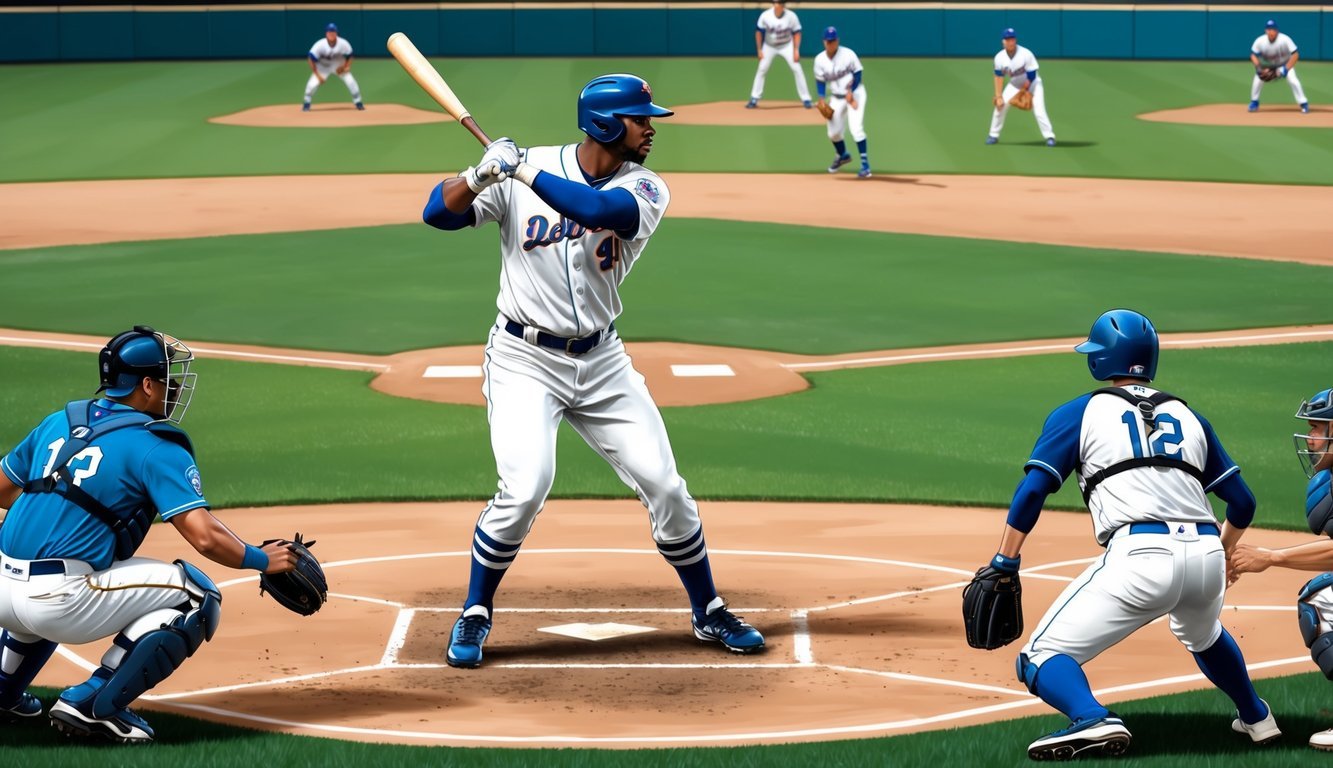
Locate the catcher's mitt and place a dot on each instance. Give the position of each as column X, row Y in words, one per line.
column 993, row 608
column 1267, row 74
column 1022, row 100
column 825, row 110
column 301, row 590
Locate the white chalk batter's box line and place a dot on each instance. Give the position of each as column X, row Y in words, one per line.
column 679, row 371
column 802, row 652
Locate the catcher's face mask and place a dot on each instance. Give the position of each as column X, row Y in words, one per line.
column 1315, row 448
column 180, row 381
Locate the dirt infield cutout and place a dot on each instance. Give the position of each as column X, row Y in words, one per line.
column 330, row 116
column 1268, row 116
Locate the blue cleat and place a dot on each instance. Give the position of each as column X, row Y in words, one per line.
column 360, row 106
column 839, row 162
column 27, row 707
column 77, row 721
column 1050, row 142
column 1305, row 108
column 1254, row 106
column 468, row 636
column 992, row 140
column 808, row 104
column 723, row 626
column 1103, row 736
column 752, row 103
column 864, row 173
column 305, row 106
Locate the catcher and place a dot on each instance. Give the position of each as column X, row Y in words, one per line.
column 82, row 490
column 1023, row 89
column 1145, row 462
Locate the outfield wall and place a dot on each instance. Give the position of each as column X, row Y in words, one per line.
column 1083, row 30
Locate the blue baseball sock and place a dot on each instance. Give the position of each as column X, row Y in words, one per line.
column 19, row 664
column 1062, row 684
column 865, row 156
column 841, row 146
column 1224, row 666
column 689, row 557
column 490, row 559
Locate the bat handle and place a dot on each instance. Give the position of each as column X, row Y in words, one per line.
column 470, row 124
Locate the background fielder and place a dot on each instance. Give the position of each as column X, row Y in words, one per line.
column 573, row 221
column 331, row 55
column 838, row 68
column 778, row 33
column 1019, row 66
column 1276, row 51
column 1145, row 462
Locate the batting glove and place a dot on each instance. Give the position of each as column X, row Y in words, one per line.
column 480, row 177
column 503, row 151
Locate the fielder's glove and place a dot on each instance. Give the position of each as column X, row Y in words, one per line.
column 993, row 608
column 1267, row 74
column 301, row 590
column 825, row 110
column 1022, row 100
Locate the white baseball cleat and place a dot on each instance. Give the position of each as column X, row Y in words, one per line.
column 124, row 727
column 1262, row 732
column 1323, row 740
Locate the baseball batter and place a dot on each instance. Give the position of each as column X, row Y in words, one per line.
column 1314, row 605
column 838, row 79
column 1015, row 71
column 1274, row 55
column 573, row 221
column 331, row 55
column 778, row 33
column 1145, row 462
column 82, row 490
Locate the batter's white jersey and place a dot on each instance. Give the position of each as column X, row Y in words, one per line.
column 837, row 72
column 1275, row 53
column 330, row 57
column 1097, row 431
column 1017, row 66
column 778, row 30
column 556, row 274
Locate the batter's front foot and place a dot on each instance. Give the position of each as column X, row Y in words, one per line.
column 1103, row 736
column 992, row 140
column 27, row 708
column 468, row 636
column 76, row 721
column 723, row 626
column 752, row 103
column 1254, row 106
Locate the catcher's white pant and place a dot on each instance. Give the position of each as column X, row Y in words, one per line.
column 852, row 119
column 530, row 389
column 81, row 605
column 1038, row 110
column 767, row 52
column 1295, row 82
column 313, row 83
column 1140, row 577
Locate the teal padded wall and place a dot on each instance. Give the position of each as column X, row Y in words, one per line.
column 972, row 32
column 1230, row 33
column 630, row 31
column 1038, row 31
column 171, row 35
column 910, row 32
column 421, row 25
column 488, row 32
column 711, row 31
column 551, row 32
column 1098, row 34
column 99, row 35
column 30, row 37
column 305, row 27
column 248, row 34
column 1170, row 35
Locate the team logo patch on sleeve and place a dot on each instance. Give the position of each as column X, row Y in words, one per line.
column 648, row 191
column 192, row 474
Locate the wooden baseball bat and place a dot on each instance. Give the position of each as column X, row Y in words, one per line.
column 433, row 83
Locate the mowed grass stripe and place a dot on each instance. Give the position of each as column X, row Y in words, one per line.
column 780, row 287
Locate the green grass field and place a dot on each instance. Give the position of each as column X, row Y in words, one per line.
column 947, row 433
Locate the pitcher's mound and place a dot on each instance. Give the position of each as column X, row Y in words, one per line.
column 330, row 116
column 1276, row 116
column 735, row 113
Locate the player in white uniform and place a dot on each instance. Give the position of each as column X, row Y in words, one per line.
column 838, row 69
column 1017, row 65
column 778, row 33
column 1275, row 50
column 1145, row 462
column 331, row 55
column 573, row 221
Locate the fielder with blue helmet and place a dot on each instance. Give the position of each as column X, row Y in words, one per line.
column 1145, row 462
column 82, row 490
column 1314, row 605
column 574, row 219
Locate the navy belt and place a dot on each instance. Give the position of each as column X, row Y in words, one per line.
column 46, row 567
column 568, row 346
column 1208, row 529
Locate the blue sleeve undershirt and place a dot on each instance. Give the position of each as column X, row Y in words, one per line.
column 1029, row 497
column 1239, row 498
column 1032, row 76
column 999, row 73
column 313, row 57
column 819, row 86
column 612, row 209
column 856, row 80
column 438, row 215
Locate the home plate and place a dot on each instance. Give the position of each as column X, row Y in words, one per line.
column 595, row 632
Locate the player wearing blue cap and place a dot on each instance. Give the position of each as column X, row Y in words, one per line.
column 331, row 55
column 1274, row 56
column 1015, row 73
column 838, row 77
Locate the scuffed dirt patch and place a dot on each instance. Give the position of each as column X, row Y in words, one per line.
column 330, row 116
column 1276, row 116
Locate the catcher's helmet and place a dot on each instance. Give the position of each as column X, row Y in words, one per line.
column 130, row 357
column 605, row 99
column 1122, row 342
column 1319, row 407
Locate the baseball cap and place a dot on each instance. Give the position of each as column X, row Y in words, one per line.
column 1008, row 33
column 830, row 33
column 331, row 27
column 1271, row 24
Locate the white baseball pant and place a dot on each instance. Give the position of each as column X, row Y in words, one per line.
column 313, row 83
column 1139, row 578
column 1038, row 110
column 1295, row 82
column 767, row 52
column 846, row 117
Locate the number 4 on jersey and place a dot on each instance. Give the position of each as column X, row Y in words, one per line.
column 1164, row 441
column 609, row 252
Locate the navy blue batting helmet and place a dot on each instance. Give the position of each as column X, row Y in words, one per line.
column 1122, row 342
column 604, row 100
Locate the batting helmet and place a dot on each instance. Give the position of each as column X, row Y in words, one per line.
column 1121, row 343
column 1318, row 408
column 130, row 357
column 604, row 100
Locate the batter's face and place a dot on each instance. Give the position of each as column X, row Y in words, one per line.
column 1010, row 45
column 1272, row 34
column 1320, row 440
column 332, row 37
column 637, row 142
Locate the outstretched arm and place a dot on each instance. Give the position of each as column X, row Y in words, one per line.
column 216, row 542
column 1025, row 508
column 9, row 492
